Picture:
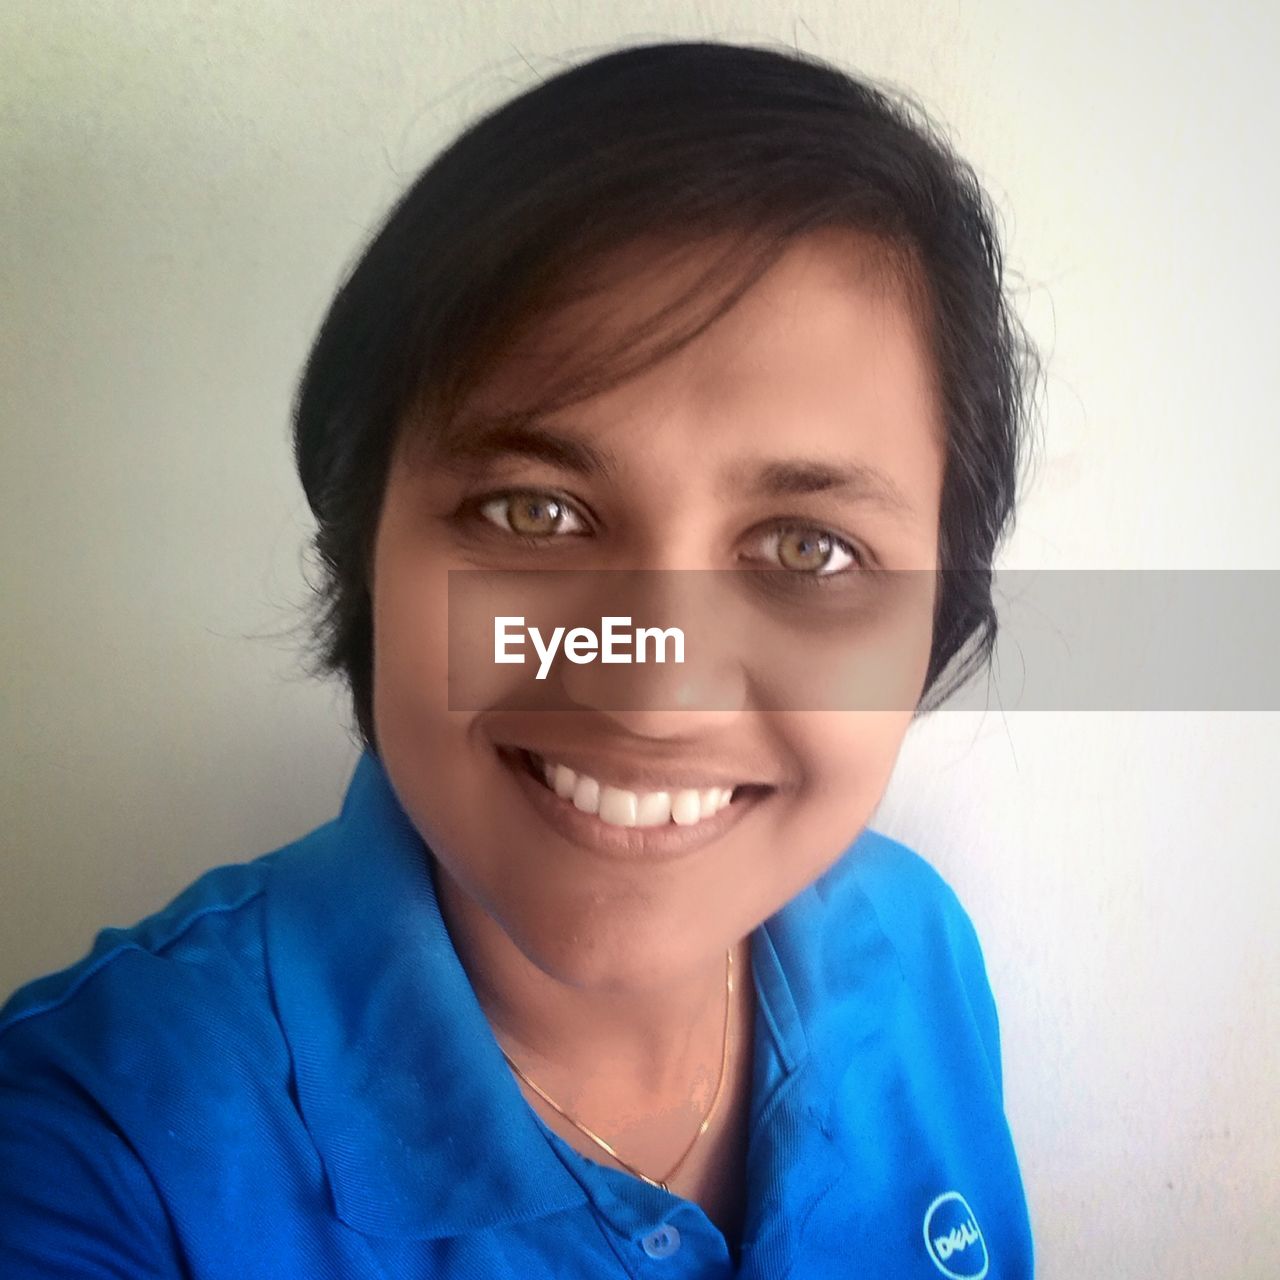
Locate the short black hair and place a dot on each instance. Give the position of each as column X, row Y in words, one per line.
column 682, row 142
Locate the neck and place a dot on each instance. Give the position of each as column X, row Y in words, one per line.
column 654, row 1044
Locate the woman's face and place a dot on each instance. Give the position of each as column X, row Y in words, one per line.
column 818, row 368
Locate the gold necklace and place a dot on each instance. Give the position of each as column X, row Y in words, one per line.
column 599, row 1141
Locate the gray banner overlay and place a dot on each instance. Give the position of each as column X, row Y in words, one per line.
column 1068, row 640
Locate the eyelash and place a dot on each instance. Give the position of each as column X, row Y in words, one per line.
column 816, row 577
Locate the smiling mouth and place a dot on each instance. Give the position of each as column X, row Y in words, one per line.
column 613, row 806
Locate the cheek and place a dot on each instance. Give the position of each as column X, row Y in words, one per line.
column 846, row 759
column 410, row 661
column 410, row 647
column 444, row 773
column 849, row 757
column 879, row 660
column 425, row 748
column 851, row 749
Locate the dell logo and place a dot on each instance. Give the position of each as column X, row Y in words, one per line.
column 953, row 1238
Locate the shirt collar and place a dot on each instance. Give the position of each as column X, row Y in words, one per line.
column 421, row 1129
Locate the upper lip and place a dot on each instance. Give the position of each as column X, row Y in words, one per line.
column 633, row 775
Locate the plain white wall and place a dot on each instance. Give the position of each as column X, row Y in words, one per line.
column 182, row 188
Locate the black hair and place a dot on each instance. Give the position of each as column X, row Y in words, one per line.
column 681, row 142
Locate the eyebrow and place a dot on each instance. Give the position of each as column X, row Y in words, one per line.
column 483, row 440
column 786, row 477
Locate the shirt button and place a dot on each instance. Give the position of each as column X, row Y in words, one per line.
column 662, row 1243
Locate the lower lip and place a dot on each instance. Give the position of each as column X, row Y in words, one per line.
column 662, row 843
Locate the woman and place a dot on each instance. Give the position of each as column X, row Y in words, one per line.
column 600, row 974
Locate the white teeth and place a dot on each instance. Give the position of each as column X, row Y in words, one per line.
column 686, row 808
column 619, row 807
column 586, row 795
column 653, row 809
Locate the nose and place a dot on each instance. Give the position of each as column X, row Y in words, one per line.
column 660, row 697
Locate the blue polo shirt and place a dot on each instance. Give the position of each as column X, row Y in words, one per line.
column 285, row 1074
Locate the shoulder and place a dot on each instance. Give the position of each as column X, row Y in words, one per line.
column 114, row 1067
column 917, row 909
column 932, row 937
column 115, row 1009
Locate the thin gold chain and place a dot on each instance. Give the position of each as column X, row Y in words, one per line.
column 599, row 1141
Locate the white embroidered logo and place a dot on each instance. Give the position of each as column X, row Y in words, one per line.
column 953, row 1238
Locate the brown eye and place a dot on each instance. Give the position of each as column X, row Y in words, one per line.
column 801, row 549
column 531, row 515
column 808, row 550
column 805, row 551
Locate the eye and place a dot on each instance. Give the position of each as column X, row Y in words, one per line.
column 531, row 514
column 810, row 551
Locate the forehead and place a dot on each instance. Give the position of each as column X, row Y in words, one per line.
column 832, row 298
column 822, row 357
